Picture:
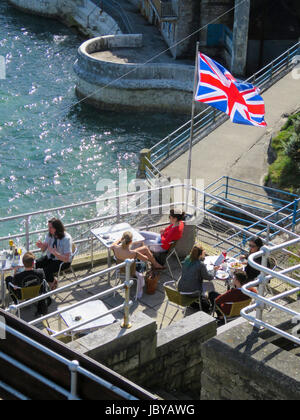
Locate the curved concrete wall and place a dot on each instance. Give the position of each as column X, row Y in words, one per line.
column 113, row 85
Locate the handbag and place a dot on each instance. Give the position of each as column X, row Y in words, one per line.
column 151, row 280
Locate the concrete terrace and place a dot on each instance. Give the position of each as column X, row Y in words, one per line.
column 151, row 305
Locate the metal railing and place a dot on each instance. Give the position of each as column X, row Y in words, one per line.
column 262, row 302
column 15, row 309
column 73, row 366
column 262, row 200
column 172, row 146
column 122, row 211
column 194, row 208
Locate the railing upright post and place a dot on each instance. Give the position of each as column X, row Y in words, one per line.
column 27, row 233
column 262, row 286
column 92, row 250
column 144, row 154
column 73, row 366
column 118, row 210
column 126, row 323
column 227, row 186
column 295, row 214
column 168, row 146
column 272, row 66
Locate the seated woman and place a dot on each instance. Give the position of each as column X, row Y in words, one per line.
column 194, row 272
column 161, row 242
column 122, row 250
column 255, row 246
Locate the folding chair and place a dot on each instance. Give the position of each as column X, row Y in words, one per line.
column 63, row 271
column 235, row 310
column 164, row 257
column 64, row 338
column 272, row 265
column 178, row 300
column 27, row 293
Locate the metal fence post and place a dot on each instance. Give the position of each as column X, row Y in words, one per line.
column 73, row 366
column 144, row 153
column 27, row 233
column 118, row 210
column 226, row 192
column 126, row 323
column 295, row 214
column 262, row 285
column 168, row 146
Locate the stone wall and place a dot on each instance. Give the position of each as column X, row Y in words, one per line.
column 188, row 22
column 242, row 364
column 169, row 359
column 154, row 86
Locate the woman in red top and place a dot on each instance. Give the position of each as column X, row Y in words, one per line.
column 161, row 242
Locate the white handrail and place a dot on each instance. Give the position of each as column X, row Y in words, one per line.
column 126, row 285
column 261, row 301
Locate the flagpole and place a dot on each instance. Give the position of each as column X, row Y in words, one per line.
column 189, row 167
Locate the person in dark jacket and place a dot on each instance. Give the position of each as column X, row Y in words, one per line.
column 29, row 277
column 234, row 295
column 254, row 246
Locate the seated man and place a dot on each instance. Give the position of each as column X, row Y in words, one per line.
column 29, row 277
column 234, row 295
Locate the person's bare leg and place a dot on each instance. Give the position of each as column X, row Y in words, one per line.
column 144, row 250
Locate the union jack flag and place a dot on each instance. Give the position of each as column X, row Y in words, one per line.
column 219, row 89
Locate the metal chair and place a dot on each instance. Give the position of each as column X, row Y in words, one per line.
column 164, row 257
column 64, row 338
column 178, row 300
column 235, row 310
column 27, row 293
column 63, row 271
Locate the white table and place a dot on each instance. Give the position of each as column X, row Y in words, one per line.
column 210, row 262
column 107, row 235
column 8, row 264
column 85, row 312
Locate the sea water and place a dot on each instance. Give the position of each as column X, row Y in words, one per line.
column 52, row 150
